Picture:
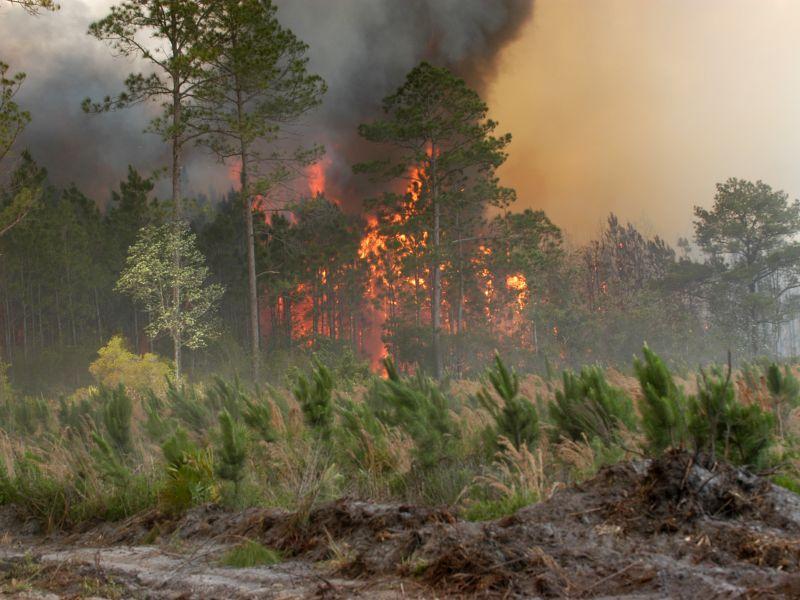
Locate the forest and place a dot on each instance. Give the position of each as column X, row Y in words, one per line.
column 415, row 338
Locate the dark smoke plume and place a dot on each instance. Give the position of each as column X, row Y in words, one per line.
column 363, row 49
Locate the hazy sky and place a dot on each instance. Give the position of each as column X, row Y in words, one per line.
column 640, row 106
column 631, row 106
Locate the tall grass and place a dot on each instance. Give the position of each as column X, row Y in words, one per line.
column 108, row 453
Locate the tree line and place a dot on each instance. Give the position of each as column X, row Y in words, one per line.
column 424, row 271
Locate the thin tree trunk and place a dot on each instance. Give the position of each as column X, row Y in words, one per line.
column 176, row 342
column 436, row 308
column 177, row 210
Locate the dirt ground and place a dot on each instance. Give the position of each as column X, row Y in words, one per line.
column 678, row 527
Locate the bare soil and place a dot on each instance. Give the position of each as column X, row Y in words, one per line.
column 678, row 527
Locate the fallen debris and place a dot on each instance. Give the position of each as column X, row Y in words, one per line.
column 679, row 526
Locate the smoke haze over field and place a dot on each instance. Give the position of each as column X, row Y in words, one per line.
column 636, row 107
column 641, row 107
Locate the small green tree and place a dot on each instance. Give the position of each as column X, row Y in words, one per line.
column 420, row 407
column 108, row 462
column 315, row 398
column 257, row 415
column 232, row 451
column 663, row 404
column 721, row 425
column 588, row 405
column 515, row 416
column 151, row 275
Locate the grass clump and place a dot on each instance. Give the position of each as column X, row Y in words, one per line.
column 251, row 553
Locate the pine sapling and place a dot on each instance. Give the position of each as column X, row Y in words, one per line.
column 108, row 463
column 232, row 451
column 588, row 406
column 315, row 396
column 117, row 411
column 515, row 416
column 664, row 405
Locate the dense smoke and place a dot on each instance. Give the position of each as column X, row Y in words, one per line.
column 641, row 107
column 363, row 49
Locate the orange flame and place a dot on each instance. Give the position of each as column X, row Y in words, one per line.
column 316, row 178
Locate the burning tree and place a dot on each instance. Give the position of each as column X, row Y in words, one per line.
column 439, row 138
column 260, row 86
column 316, row 282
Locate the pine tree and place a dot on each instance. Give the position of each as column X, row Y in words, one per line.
column 664, row 405
column 444, row 142
column 721, row 425
column 260, row 87
column 588, row 405
column 315, row 398
column 515, row 416
column 26, row 190
column 117, row 412
column 232, row 453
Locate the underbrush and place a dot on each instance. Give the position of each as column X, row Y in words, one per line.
column 487, row 448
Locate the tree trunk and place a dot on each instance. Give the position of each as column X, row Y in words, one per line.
column 252, row 284
column 436, row 306
column 176, row 344
column 177, row 211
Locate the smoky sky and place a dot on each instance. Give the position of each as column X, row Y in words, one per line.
column 362, row 48
column 641, row 106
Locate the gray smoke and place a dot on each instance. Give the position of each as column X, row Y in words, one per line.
column 363, row 49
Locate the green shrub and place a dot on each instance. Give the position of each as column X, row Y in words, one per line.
column 156, row 426
column 515, row 417
column 365, row 448
column 588, row 406
column 77, row 414
column 116, row 365
column 26, row 415
column 229, row 397
column 663, row 405
column 251, row 553
column 108, row 462
column 34, row 492
column 495, row 508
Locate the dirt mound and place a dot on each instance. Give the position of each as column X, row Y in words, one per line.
column 679, row 526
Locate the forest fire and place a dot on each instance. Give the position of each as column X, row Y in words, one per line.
column 315, row 175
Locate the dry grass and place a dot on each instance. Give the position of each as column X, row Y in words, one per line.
column 518, row 472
